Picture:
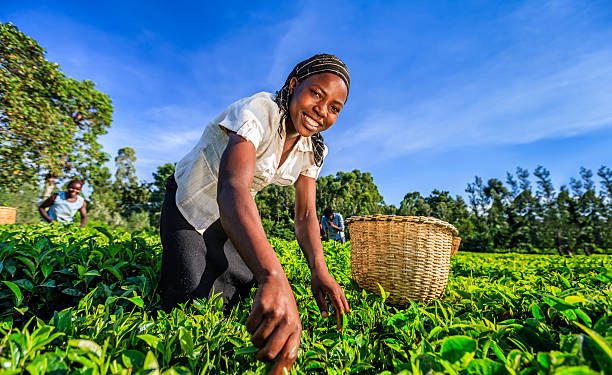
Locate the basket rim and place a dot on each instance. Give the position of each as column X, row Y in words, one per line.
column 409, row 219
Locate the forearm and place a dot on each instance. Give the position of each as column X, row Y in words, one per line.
column 336, row 227
column 308, row 237
column 240, row 220
column 44, row 214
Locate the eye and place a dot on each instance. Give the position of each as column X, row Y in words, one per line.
column 335, row 109
column 316, row 94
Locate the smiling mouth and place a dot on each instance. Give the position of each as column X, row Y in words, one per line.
column 310, row 123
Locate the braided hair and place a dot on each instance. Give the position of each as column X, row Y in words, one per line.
column 320, row 63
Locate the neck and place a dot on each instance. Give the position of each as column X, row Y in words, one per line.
column 290, row 131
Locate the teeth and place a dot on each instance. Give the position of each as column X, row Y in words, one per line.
column 312, row 123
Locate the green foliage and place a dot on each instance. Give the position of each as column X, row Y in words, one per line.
column 125, row 175
column 134, row 197
column 158, row 191
column 49, row 123
column 104, row 201
column 84, row 301
column 519, row 219
column 350, row 193
column 25, row 200
column 276, row 205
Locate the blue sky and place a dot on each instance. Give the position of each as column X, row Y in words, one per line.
column 440, row 91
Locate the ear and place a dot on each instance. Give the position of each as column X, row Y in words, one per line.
column 292, row 84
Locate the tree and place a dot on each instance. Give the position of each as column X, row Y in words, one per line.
column 135, row 196
column 605, row 174
column 547, row 208
column 565, row 231
column 158, row 191
column 522, row 214
column 478, row 240
column 605, row 198
column 497, row 218
column 414, row 204
column 103, row 205
column 49, row 124
column 125, row 174
column 276, row 205
column 350, row 193
column 590, row 220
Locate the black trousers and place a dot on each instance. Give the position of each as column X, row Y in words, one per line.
column 195, row 265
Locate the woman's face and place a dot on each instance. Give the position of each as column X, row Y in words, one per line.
column 74, row 189
column 315, row 103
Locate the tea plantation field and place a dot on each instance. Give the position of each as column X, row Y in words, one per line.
column 84, row 301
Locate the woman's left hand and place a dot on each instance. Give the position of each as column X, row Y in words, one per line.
column 325, row 288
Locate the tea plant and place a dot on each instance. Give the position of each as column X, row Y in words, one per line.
column 84, row 301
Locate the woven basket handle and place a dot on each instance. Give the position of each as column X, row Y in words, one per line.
column 455, row 246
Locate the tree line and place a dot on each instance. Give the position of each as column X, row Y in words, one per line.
column 520, row 215
column 49, row 129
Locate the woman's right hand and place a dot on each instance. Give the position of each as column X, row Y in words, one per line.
column 274, row 323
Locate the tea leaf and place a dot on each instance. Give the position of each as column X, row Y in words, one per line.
column 151, row 340
column 151, row 366
column 16, row 291
column 455, row 348
column 87, row 346
column 601, row 342
column 186, row 341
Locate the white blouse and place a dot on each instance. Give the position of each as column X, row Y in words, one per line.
column 257, row 119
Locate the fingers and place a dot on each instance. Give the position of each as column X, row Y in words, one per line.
column 339, row 309
column 287, row 356
column 279, row 344
column 341, row 306
column 263, row 331
column 347, row 308
column 255, row 317
column 321, row 303
column 254, row 320
column 274, row 324
column 325, row 288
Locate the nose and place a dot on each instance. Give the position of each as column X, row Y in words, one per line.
column 320, row 110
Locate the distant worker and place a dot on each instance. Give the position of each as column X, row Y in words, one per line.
column 64, row 205
column 332, row 225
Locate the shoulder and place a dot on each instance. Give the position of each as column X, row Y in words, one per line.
column 259, row 102
column 262, row 99
column 262, row 106
column 49, row 201
column 254, row 118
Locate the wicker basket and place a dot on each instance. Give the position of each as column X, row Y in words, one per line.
column 409, row 256
column 8, row 215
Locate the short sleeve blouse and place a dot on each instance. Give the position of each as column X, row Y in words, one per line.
column 256, row 118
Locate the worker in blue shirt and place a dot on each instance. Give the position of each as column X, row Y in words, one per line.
column 332, row 224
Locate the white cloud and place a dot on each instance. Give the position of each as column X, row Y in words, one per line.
column 503, row 102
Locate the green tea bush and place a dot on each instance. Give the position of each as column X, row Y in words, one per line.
column 84, row 301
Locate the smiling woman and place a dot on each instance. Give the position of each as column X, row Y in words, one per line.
column 212, row 236
column 62, row 207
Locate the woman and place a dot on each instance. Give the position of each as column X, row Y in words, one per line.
column 64, row 205
column 211, row 232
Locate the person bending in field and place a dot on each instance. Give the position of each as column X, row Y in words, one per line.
column 211, row 231
column 332, row 224
column 61, row 207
